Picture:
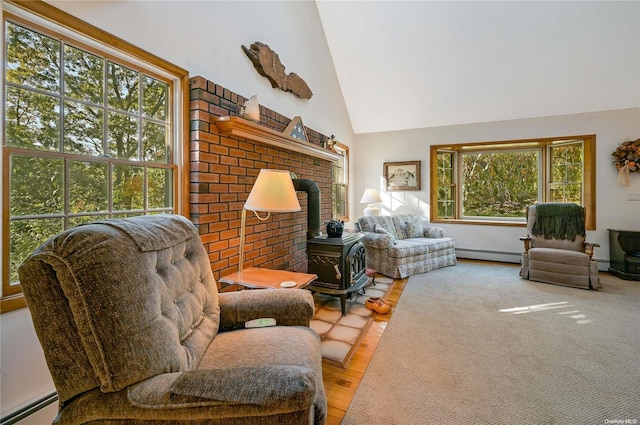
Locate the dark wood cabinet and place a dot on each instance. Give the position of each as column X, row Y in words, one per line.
column 624, row 253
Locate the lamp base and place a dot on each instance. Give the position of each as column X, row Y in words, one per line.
column 371, row 210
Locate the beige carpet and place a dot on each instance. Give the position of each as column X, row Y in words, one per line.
column 475, row 344
column 339, row 334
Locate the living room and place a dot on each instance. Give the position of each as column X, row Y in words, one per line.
column 313, row 40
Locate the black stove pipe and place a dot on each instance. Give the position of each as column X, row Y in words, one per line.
column 313, row 205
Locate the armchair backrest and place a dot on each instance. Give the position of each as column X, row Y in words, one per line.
column 118, row 301
column 556, row 225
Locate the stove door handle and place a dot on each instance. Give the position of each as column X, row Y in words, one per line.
column 338, row 274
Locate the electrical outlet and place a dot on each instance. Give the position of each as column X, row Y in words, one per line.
column 635, row 196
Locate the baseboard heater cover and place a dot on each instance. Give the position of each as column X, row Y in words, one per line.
column 28, row 410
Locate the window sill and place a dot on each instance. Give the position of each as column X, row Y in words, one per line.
column 12, row 302
column 480, row 222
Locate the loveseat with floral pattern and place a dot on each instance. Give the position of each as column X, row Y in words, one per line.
column 405, row 244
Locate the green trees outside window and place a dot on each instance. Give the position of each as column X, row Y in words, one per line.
column 495, row 181
column 85, row 138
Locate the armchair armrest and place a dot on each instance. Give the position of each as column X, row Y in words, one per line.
column 527, row 242
column 434, row 232
column 377, row 240
column 290, row 307
column 588, row 248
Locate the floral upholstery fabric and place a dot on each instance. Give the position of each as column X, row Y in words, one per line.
column 383, row 231
column 417, row 248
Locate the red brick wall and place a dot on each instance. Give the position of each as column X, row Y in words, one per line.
column 223, row 170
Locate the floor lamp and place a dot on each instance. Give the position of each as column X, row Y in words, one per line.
column 273, row 191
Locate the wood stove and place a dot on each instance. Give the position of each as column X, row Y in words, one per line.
column 339, row 264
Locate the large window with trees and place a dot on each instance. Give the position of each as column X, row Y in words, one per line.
column 493, row 182
column 88, row 135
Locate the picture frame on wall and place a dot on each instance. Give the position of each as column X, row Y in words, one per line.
column 402, row 175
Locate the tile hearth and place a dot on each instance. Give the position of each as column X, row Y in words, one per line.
column 339, row 334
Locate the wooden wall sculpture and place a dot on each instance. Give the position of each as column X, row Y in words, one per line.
column 268, row 64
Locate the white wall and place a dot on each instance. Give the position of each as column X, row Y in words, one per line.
column 612, row 209
column 204, row 38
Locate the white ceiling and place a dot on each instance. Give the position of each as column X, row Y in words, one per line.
column 415, row 64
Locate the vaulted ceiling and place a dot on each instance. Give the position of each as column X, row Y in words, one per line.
column 414, row 64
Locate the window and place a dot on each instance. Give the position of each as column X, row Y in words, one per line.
column 88, row 135
column 340, row 183
column 494, row 182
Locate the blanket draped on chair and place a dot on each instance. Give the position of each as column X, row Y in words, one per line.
column 559, row 220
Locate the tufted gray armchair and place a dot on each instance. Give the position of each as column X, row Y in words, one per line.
column 135, row 332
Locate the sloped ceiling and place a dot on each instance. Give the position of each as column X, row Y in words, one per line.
column 415, row 64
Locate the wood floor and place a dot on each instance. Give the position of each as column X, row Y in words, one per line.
column 341, row 384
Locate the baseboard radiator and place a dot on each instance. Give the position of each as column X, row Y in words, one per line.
column 507, row 257
column 30, row 409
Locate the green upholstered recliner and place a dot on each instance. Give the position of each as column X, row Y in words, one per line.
column 555, row 250
column 135, row 332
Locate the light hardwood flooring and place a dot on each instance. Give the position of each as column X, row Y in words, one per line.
column 341, row 383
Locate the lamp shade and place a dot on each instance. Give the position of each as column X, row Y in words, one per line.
column 273, row 191
column 370, row 196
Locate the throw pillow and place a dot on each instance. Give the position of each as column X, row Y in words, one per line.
column 414, row 229
column 382, row 230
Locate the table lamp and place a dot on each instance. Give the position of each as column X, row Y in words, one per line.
column 371, row 196
column 273, row 191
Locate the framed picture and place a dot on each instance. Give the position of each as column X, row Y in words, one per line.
column 402, row 175
column 296, row 130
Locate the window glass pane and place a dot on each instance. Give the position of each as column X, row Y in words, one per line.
column 123, row 88
column 445, row 168
column 445, row 193
column 83, row 129
column 160, row 182
column 338, row 170
column 559, row 173
column 154, row 142
column 88, row 187
column 32, row 120
column 444, row 160
column 155, row 96
column 84, row 219
column 445, row 185
column 566, row 192
column 339, row 196
column 36, row 186
column 445, row 209
column 32, row 59
column 499, row 184
column 567, row 172
column 83, row 75
column 127, row 188
column 26, row 236
column 123, row 136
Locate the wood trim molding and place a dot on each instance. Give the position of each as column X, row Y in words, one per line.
column 239, row 127
column 71, row 22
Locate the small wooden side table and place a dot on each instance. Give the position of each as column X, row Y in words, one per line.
column 258, row 278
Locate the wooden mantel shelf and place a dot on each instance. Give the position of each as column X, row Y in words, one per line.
column 239, row 127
